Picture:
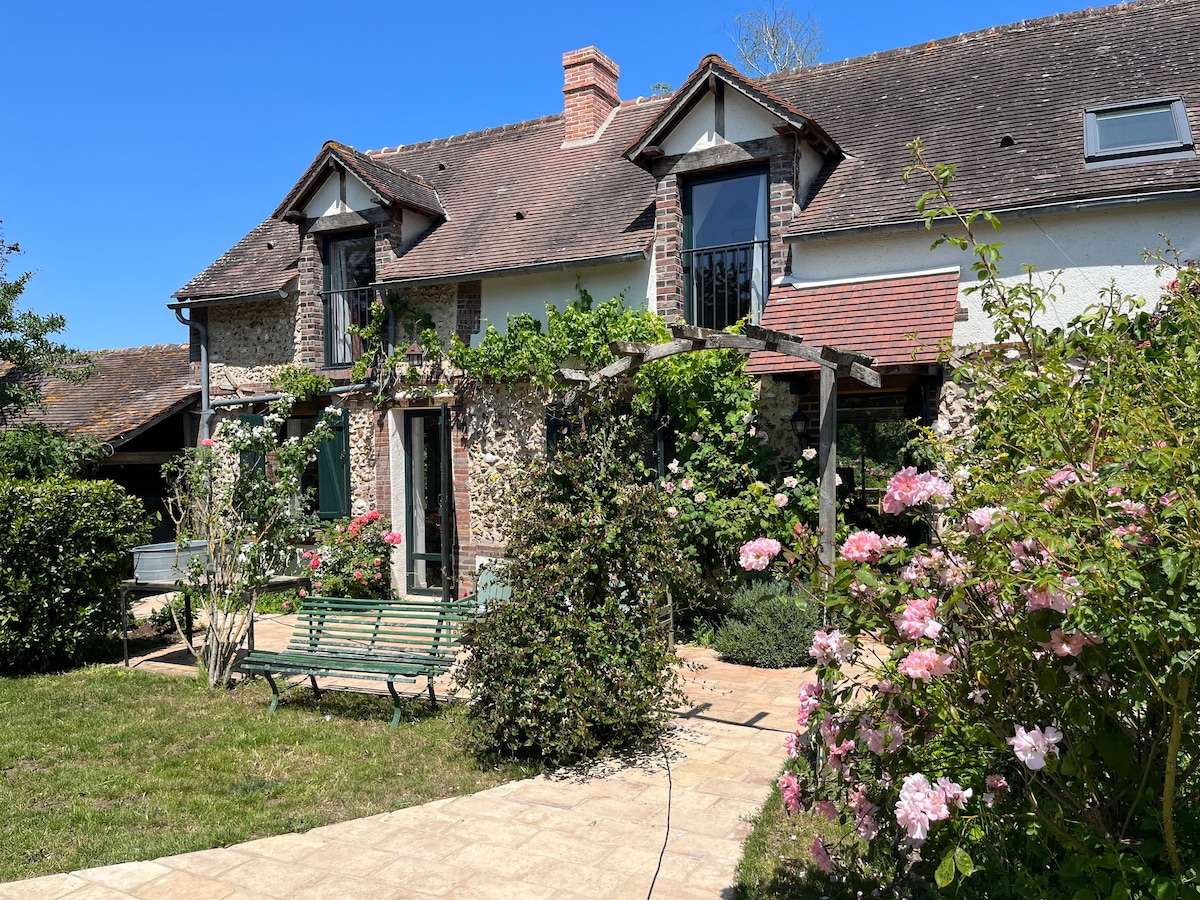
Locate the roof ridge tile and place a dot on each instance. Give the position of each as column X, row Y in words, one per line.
column 469, row 135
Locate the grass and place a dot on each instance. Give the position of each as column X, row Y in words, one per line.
column 104, row 765
column 777, row 859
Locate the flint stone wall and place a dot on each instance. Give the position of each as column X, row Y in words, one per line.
column 504, row 425
column 250, row 342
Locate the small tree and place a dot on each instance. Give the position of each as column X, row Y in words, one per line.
column 775, row 38
column 240, row 493
column 27, row 345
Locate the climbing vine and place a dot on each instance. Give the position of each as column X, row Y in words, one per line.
column 578, row 336
column 300, row 383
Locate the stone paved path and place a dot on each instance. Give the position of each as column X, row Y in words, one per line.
column 567, row 835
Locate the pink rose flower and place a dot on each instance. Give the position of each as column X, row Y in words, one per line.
column 781, row 500
column 862, row 546
column 820, row 855
column 830, row 647
column 207, row 442
column 1032, row 746
column 757, row 554
column 910, row 488
column 810, row 700
column 925, row 665
column 980, row 520
column 916, row 621
column 789, row 787
column 920, row 804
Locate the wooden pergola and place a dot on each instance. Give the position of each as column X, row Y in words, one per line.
column 688, row 339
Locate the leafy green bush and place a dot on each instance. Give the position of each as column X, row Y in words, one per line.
column 63, row 547
column 577, row 662
column 35, row 451
column 770, row 625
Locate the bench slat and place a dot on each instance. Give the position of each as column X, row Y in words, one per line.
column 368, row 639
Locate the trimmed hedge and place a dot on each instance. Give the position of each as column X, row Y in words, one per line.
column 64, row 546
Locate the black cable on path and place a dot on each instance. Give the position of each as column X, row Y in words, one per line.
column 667, row 835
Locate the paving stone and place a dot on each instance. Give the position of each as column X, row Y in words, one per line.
column 270, row 877
column 48, row 887
column 180, row 885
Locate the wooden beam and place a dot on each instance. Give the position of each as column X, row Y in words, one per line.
column 629, row 348
column 142, row 458
column 570, row 376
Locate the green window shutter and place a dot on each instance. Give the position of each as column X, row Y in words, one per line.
column 252, row 461
column 333, row 472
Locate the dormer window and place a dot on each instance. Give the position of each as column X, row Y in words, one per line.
column 1132, row 132
column 725, row 249
column 349, row 270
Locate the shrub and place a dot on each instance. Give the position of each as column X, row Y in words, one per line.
column 770, row 625
column 1026, row 722
column 577, row 662
column 63, row 548
column 35, row 451
column 238, row 493
column 354, row 558
column 170, row 616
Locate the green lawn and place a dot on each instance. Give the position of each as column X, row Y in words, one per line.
column 105, row 765
column 777, row 859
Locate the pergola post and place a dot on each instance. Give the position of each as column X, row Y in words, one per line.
column 827, row 467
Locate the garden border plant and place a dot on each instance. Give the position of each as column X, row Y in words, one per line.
column 1032, row 714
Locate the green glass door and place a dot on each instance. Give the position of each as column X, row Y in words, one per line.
column 425, row 501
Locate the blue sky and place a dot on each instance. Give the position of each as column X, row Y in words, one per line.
column 142, row 140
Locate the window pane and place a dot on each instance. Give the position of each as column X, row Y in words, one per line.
column 729, row 212
column 1129, row 128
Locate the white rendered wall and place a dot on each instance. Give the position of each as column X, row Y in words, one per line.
column 531, row 293
column 744, row 121
column 1088, row 248
column 413, row 225
column 327, row 199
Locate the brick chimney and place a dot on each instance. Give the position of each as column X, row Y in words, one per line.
column 590, row 92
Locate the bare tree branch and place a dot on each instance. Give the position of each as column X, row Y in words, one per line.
column 774, row 38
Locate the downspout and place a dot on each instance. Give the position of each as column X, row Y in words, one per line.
column 206, row 412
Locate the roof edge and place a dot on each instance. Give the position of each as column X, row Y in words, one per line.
column 790, row 282
column 478, row 274
column 280, row 293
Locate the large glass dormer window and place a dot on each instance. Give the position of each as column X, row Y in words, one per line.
column 725, row 248
column 349, row 270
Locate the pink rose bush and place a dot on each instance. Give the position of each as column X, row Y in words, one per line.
column 354, row 557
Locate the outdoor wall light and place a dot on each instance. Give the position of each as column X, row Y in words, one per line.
column 414, row 355
column 800, row 425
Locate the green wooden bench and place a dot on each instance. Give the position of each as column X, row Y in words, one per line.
column 394, row 641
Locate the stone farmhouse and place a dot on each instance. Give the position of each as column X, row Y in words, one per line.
column 779, row 198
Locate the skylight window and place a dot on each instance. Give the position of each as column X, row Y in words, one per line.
column 1131, row 132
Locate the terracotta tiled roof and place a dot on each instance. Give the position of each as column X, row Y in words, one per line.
column 129, row 391
column 871, row 316
column 517, row 199
column 264, row 260
column 1030, row 81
